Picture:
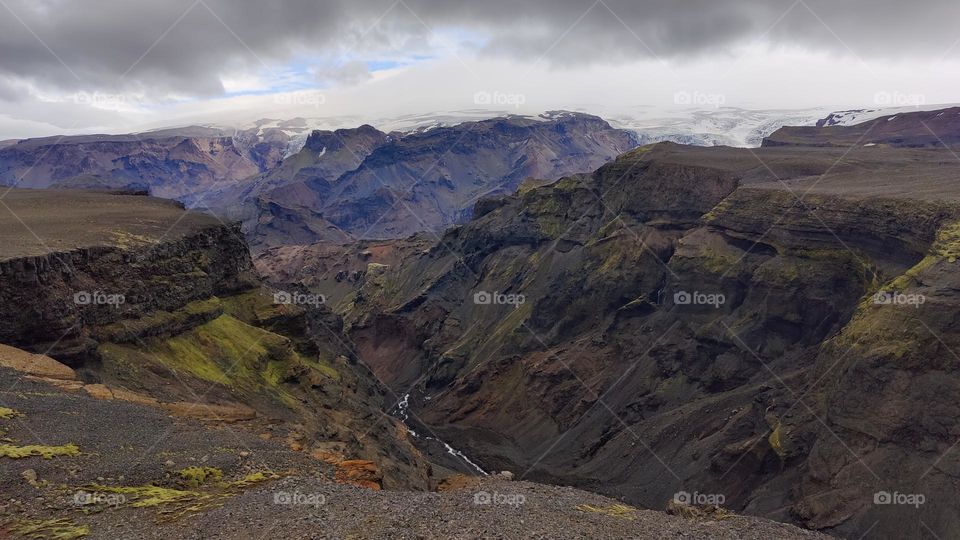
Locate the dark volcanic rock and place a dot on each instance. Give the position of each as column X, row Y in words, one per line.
column 681, row 311
column 182, row 164
column 156, row 304
column 369, row 185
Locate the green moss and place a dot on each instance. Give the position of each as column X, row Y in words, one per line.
column 46, row 452
column 567, row 184
column 189, row 356
column 324, row 368
column 7, row 413
column 52, row 529
column 251, row 479
column 612, row 261
column 253, row 306
column 717, row 210
column 207, row 491
column 129, row 239
column 947, row 244
column 716, row 262
column 638, row 151
column 159, row 322
column 223, row 351
column 551, row 226
column 776, row 443
column 149, row 495
column 226, row 351
column 910, row 277
column 193, row 477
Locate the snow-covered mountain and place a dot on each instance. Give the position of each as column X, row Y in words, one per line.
column 720, row 126
column 857, row 116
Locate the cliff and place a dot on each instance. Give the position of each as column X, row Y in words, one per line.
column 694, row 319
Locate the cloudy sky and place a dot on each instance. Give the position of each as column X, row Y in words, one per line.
column 69, row 66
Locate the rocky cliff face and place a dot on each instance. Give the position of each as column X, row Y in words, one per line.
column 158, row 305
column 342, row 185
column 697, row 320
column 182, row 164
column 366, row 184
column 923, row 129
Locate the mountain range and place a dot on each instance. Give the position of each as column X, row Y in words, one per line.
column 737, row 336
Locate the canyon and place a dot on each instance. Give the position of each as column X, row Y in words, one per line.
column 770, row 330
column 741, row 322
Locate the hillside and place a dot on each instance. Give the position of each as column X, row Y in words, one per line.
column 699, row 319
column 180, row 164
column 160, row 390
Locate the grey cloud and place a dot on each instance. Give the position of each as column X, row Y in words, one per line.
column 349, row 73
column 101, row 41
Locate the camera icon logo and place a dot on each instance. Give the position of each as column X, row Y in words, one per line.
column 882, row 497
column 82, row 498
column 482, row 298
column 482, row 497
column 682, row 298
column 282, row 297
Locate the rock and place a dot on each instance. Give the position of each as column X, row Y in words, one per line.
column 506, row 475
column 359, row 472
column 30, row 476
column 35, row 364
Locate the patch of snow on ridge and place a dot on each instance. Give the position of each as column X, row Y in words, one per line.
column 859, row 116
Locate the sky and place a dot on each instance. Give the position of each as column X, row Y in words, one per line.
column 69, row 66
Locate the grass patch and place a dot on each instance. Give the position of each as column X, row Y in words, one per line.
column 621, row 511
column 53, row 529
column 148, row 496
column 7, row 413
column 251, row 479
column 207, row 490
column 193, row 477
column 46, row 452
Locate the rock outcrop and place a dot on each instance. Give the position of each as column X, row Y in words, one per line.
column 157, row 305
